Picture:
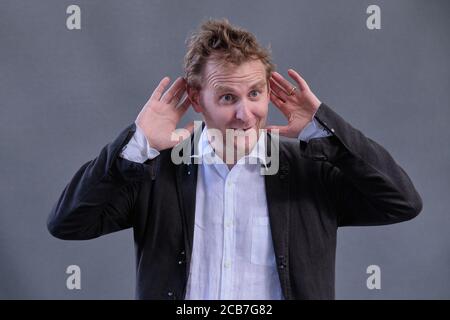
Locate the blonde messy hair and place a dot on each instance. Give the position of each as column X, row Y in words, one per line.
column 218, row 40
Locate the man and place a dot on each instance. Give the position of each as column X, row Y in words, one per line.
column 215, row 227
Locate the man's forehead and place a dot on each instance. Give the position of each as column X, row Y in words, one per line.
column 224, row 75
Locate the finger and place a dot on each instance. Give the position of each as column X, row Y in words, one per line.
column 177, row 96
column 279, row 104
column 169, row 94
column 277, row 90
column 156, row 95
column 184, row 105
column 276, row 99
column 285, row 84
column 300, row 81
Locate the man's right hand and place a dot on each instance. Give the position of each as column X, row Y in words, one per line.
column 159, row 117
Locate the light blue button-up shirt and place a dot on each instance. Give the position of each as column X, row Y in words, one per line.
column 233, row 255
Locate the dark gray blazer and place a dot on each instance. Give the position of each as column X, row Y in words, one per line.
column 345, row 179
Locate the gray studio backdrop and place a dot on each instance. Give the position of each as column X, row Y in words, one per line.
column 64, row 94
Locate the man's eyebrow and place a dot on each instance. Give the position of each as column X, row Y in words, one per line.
column 258, row 84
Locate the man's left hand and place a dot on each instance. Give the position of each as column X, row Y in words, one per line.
column 298, row 105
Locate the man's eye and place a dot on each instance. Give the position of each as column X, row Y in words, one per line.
column 227, row 97
column 254, row 93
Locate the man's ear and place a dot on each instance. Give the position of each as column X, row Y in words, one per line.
column 194, row 97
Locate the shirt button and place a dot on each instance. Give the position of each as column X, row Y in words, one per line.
column 228, row 224
column 227, row 264
column 229, row 183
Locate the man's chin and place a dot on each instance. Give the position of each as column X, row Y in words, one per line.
column 244, row 139
column 244, row 131
column 238, row 141
column 244, row 145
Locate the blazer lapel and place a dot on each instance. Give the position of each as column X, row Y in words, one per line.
column 186, row 182
column 278, row 199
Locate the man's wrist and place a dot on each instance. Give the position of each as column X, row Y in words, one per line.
column 138, row 148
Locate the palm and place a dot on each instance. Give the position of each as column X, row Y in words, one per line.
column 160, row 115
column 298, row 107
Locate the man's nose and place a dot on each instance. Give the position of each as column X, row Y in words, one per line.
column 243, row 111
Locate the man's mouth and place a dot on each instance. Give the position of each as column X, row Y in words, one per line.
column 242, row 129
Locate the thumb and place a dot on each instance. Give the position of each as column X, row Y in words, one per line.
column 190, row 127
column 180, row 134
column 283, row 130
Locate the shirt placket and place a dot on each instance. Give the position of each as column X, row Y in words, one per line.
column 228, row 239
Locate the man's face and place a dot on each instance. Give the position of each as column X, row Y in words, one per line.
column 234, row 98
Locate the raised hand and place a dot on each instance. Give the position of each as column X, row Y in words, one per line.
column 159, row 117
column 298, row 104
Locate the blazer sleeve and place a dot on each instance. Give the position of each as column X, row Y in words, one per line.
column 364, row 183
column 101, row 195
